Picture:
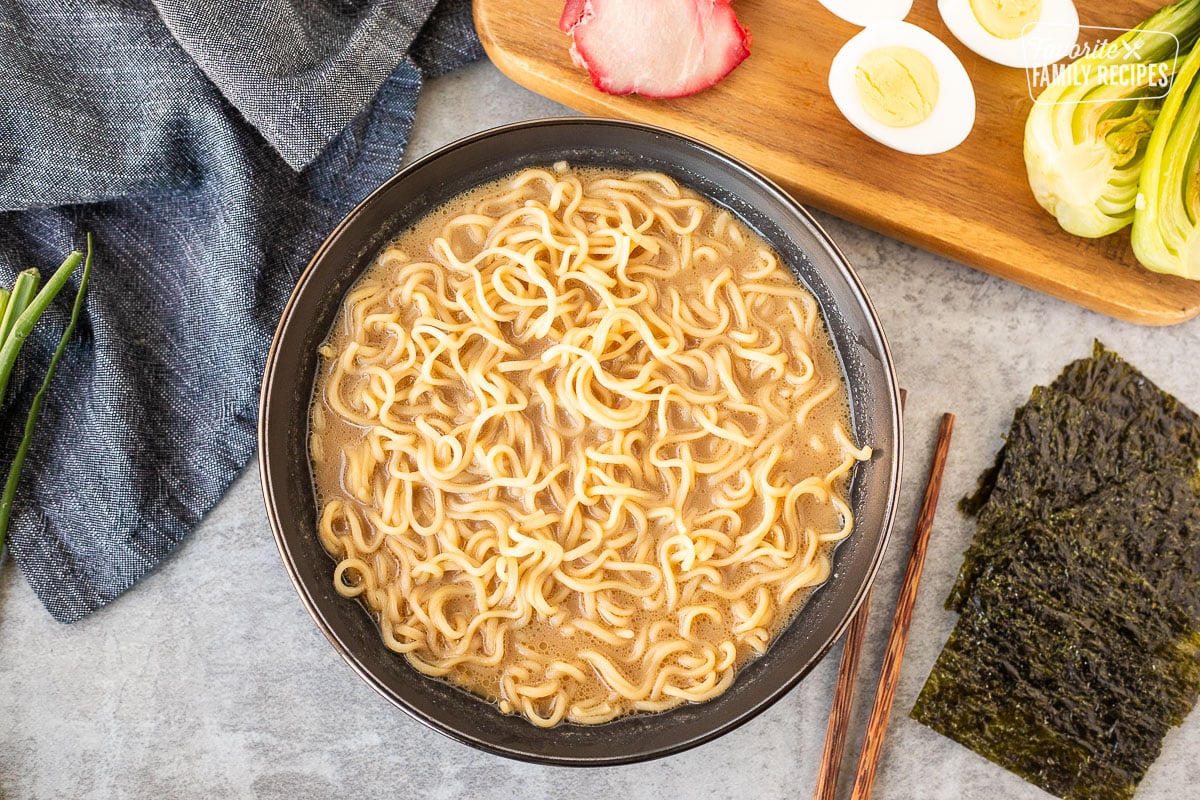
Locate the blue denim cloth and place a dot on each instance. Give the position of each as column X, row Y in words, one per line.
column 208, row 146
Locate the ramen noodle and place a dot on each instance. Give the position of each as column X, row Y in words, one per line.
column 581, row 445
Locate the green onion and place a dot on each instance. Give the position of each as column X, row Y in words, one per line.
column 19, row 298
column 28, row 316
column 11, row 343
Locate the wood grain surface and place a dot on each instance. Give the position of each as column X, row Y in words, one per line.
column 774, row 112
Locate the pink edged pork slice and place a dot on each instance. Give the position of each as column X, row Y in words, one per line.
column 655, row 48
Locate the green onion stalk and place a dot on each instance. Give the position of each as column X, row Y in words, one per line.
column 19, row 298
column 1088, row 133
column 20, row 308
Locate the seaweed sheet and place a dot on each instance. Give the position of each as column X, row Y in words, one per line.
column 1078, row 641
column 1100, row 422
column 1110, row 385
column 1105, row 657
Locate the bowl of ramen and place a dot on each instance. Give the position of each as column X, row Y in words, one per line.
column 580, row 441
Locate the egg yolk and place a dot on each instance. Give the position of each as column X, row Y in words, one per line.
column 1006, row 19
column 898, row 86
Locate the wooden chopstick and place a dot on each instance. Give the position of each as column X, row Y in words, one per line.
column 843, row 699
column 889, row 674
column 843, row 695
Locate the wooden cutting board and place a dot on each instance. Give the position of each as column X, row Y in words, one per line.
column 971, row 204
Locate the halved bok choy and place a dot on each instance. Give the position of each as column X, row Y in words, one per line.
column 1165, row 237
column 1087, row 134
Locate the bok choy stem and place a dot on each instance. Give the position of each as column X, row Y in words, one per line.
column 1165, row 234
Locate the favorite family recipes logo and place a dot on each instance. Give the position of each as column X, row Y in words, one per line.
column 1101, row 58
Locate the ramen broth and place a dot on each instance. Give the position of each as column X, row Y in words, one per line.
column 678, row 378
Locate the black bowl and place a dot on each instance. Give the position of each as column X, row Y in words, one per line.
column 288, row 389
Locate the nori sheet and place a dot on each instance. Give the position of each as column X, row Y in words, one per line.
column 1065, row 443
column 1078, row 641
column 1110, row 384
column 1067, row 668
column 1107, row 384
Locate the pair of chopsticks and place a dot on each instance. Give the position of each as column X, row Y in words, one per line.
column 889, row 674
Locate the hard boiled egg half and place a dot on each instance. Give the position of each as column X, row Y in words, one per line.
column 864, row 12
column 900, row 85
column 1015, row 33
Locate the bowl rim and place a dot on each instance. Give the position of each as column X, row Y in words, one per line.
column 889, row 393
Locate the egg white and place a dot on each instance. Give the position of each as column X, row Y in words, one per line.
column 1046, row 41
column 953, row 115
column 865, row 12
